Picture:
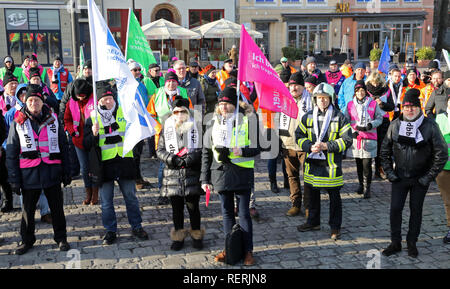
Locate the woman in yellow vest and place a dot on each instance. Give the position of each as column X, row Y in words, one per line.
column 228, row 168
column 443, row 179
column 107, row 131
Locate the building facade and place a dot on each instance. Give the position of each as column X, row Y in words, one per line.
column 328, row 25
column 37, row 27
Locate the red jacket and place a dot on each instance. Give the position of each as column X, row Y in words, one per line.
column 68, row 123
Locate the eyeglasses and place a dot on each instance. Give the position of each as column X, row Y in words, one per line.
column 156, row 70
column 179, row 111
column 181, row 68
column 136, row 70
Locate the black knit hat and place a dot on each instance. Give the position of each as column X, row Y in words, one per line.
column 228, row 95
column 58, row 58
column 104, row 88
column 9, row 77
column 33, row 57
column 312, row 80
column 231, row 82
column 180, row 102
column 360, row 84
column 82, row 87
column 34, row 71
column 88, row 64
column 153, row 65
column 412, row 97
column 410, row 70
column 297, row 78
column 171, row 76
column 34, row 90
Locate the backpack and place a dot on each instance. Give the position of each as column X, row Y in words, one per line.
column 234, row 245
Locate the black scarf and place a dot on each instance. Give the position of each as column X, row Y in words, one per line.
column 376, row 91
column 155, row 80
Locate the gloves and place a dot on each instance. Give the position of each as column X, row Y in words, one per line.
column 223, row 154
column 392, row 177
column 15, row 188
column 178, row 162
column 364, row 128
column 424, row 181
column 355, row 134
column 67, row 179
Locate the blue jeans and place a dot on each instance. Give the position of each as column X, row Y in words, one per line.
column 128, row 189
column 83, row 158
column 162, row 165
column 245, row 221
column 42, row 203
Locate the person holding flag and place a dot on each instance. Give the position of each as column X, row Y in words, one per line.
column 107, row 131
column 228, row 163
column 179, row 149
column 324, row 133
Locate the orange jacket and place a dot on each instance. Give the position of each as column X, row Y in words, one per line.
column 405, row 89
column 221, row 76
column 425, row 94
column 347, row 71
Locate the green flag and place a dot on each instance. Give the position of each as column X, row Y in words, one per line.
column 80, row 73
column 137, row 45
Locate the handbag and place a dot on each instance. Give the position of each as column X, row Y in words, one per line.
column 234, row 245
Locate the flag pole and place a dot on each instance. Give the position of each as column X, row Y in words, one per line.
column 237, row 113
column 94, row 59
column 128, row 31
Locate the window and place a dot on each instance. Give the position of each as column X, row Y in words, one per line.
column 291, row 1
column 411, row 1
column 309, row 37
column 201, row 17
column 33, row 31
column 264, row 1
column 118, row 22
column 316, row 1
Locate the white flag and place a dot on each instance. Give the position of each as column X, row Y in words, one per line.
column 108, row 62
column 446, row 57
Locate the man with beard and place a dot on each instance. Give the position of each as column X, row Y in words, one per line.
column 436, row 104
column 311, row 69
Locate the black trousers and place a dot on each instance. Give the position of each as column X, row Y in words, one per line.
column 381, row 133
column 399, row 193
column 73, row 159
column 137, row 152
column 335, row 221
column 5, row 186
column 192, row 204
column 364, row 169
column 151, row 146
column 55, row 201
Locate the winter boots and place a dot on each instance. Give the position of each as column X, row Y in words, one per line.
column 91, row 196
column 197, row 238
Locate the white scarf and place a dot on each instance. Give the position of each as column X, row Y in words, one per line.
column 223, row 130
column 395, row 97
column 171, row 93
column 361, row 109
column 108, row 119
column 27, row 141
column 323, row 131
column 410, row 129
column 305, row 106
column 171, row 139
column 55, row 72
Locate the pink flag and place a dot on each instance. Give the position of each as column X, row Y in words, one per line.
column 254, row 66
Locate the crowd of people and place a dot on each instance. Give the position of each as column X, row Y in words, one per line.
column 52, row 130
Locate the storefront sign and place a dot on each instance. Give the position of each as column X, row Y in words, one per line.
column 16, row 19
column 342, row 7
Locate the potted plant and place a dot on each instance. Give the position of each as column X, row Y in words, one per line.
column 375, row 55
column 425, row 55
column 222, row 58
column 165, row 62
column 294, row 55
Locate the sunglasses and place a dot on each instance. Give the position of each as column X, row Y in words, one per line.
column 136, row 69
column 179, row 111
column 156, row 70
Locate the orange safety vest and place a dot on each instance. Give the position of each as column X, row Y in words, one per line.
column 221, row 76
column 63, row 79
column 425, row 94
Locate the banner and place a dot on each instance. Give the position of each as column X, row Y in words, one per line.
column 254, row 66
column 108, row 62
column 137, row 47
column 446, row 57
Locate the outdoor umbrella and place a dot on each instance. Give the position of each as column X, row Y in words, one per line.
column 163, row 29
column 223, row 28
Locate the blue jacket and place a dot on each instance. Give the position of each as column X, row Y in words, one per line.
column 60, row 93
column 9, row 116
column 346, row 92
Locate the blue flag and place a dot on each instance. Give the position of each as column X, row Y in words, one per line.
column 383, row 65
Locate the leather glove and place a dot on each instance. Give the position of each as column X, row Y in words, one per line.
column 361, row 128
column 369, row 126
column 66, row 180
column 15, row 188
column 223, row 154
column 355, row 134
column 178, row 162
column 424, row 181
column 392, row 177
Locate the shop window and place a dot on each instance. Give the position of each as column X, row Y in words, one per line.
column 201, row 17
column 48, row 19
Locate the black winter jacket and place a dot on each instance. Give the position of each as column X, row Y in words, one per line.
column 44, row 175
column 180, row 181
column 320, row 76
column 114, row 169
column 424, row 160
column 437, row 101
column 228, row 177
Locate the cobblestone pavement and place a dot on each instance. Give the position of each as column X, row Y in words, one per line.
column 277, row 243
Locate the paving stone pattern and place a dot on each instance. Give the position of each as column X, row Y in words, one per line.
column 277, row 243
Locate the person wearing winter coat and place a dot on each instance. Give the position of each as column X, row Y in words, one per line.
column 78, row 110
column 192, row 85
column 381, row 93
column 312, row 70
column 33, row 63
column 294, row 157
column 420, row 153
column 37, row 160
column 324, row 133
column 443, row 179
column 11, row 67
column 49, row 96
column 179, row 149
column 365, row 116
column 106, row 130
column 59, row 77
column 210, row 87
column 334, row 76
column 412, row 81
column 347, row 89
column 436, row 103
column 228, row 167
